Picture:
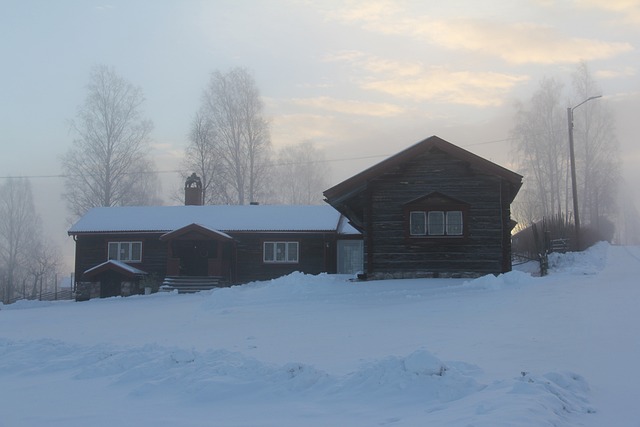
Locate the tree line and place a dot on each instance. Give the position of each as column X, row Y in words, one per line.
column 229, row 147
column 29, row 261
column 541, row 154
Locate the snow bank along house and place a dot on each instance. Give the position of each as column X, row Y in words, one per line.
column 431, row 210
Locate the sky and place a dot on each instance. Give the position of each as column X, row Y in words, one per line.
column 361, row 79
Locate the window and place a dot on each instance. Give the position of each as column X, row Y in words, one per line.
column 435, row 223
column 418, row 225
column 280, row 252
column 454, row 223
column 125, row 251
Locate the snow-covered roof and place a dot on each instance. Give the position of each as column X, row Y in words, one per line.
column 215, row 217
column 119, row 264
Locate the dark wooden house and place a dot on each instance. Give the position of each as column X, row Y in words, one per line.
column 192, row 247
column 431, row 210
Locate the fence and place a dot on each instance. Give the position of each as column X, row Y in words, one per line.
column 59, row 295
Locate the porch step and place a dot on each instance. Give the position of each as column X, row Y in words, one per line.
column 190, row 284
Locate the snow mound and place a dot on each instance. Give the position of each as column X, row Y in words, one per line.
column 588, row 262
column 28, row 304
column 496, row 283
column 292, row 287
column 223, row 382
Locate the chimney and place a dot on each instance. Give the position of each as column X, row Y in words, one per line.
column 193, row 191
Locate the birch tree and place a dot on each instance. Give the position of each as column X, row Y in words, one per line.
column 241, row 141
column 301, row 174
column 540, row 147
column 202, row 157
column 19, row 228
column 597, row 152
column 108, row 163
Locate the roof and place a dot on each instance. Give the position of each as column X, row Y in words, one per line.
column 224, row 218
column 358, row 182
column 114, row 265
column 211, row 233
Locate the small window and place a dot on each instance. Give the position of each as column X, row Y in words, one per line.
column 125, row 251
column 292, row 252
column 280, row 252
column 436, row 223
column 454, row 223
column 418, row 226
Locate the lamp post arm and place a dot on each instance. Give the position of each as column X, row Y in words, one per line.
column 584, row 102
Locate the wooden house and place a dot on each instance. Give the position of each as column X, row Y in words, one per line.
column 195, row 247
column 431, row 210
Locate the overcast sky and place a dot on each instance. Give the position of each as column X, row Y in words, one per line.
column 362, row 79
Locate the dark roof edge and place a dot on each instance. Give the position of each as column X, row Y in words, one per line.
column 416, row 149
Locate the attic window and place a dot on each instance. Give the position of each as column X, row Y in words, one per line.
column 435, row 223
column 435, row 216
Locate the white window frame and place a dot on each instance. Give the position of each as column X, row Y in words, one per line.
column 124, row 251
column 436, row 218
column 449, row 223
column 289, row 250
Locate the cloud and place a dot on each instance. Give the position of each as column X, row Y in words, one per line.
column 412, row 80
column 515, row 43
column 612, row 74
column 290, row 129
column 457, row 87
column 370, row 13
column 521, row 43
column 629, row 9
column 351, row 107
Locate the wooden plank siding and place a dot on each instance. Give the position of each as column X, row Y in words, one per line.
column 380, row 199
column 393, row 255
column 92, row 249
column 316, row 254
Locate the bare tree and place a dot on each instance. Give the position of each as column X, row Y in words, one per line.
column 43, row 268
column 301, row 174
column 19, row 226
column 232, row 105
column 541, row 150
column 541, row 146
column 202, row 157
column 597, row 153
column 108, row 163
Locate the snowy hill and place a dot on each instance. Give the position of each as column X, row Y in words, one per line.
column 512, row 350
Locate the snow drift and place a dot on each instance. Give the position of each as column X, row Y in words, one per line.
column 321, row 350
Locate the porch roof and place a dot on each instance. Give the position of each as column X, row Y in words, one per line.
column 114, row 265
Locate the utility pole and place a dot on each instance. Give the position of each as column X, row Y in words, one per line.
column 572, row 158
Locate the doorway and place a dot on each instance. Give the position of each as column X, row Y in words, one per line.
column 350, row 256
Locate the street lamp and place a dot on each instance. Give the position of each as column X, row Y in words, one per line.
column 572, row 158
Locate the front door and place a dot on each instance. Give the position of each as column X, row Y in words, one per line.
column 350, row 256
column 195, row 256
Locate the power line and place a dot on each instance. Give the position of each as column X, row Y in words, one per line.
column 183, row 171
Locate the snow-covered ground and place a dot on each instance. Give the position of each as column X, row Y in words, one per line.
column 512, row 350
